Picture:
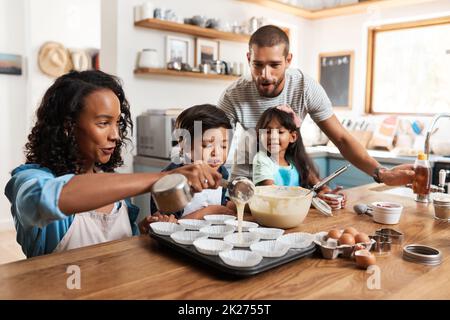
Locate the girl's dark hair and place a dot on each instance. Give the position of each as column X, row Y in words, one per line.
column 210, row 116
column 295, row 152
column 52, row 143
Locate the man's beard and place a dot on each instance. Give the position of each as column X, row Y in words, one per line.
column 272, row 93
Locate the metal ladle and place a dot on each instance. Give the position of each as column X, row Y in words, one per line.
column 240, row 188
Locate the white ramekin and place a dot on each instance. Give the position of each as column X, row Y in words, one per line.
column 386, row 212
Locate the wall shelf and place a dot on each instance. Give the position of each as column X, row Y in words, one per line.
column 359, row 7
column 191, row 30
column 188, row 74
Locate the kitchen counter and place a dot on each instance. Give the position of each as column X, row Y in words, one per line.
column 138, row 268
column 316, row 152
column 379, row 155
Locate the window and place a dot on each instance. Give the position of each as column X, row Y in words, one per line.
column 408, row 68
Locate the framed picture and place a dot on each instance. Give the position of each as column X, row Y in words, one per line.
column 336, row 77
column 206, row 51
column 179, row 49
column 10, row 64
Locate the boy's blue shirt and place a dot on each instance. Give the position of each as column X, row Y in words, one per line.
column 34, row 192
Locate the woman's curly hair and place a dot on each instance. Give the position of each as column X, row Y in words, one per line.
column 52, row 142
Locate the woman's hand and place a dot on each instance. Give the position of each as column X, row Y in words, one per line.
column 200, row 176
column 144, row 225
column 335, row 204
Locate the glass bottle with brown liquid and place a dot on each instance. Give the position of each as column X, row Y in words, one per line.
column 422, row 180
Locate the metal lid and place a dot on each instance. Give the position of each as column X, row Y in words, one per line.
column 322, row 206
column 169, row 182
column 422, row 254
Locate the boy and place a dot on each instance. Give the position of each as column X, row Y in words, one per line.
column 210, row 147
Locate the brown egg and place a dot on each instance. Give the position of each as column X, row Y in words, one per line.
column 362, row 237
column 334, row 234
column 351, row 230
column 347, row 238
column 364, row 259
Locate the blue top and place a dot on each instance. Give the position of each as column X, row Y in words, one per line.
column 264, row 168
column 222, row 170
column 33, row 192
column 287, row 176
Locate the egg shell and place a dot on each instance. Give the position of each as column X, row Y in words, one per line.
column 364, row 259
column 347, row 238
column 362, row 238
column 334, row 234
column 351, row 230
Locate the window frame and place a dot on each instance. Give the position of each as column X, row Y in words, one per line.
column 371, row 46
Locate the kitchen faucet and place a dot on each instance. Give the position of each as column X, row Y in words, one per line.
column 430, row 131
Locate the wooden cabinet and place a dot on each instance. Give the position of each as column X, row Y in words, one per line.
column 322, row 165
column 353, row 177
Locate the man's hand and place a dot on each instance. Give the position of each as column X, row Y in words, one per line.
column 289, row 110
column 200, row 176
column 398, row 175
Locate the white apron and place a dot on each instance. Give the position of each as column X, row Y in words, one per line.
column 203, row 199
column 91, row 227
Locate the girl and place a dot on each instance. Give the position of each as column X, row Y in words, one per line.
column 211, row 147
column 282, row 159
column 66, row 195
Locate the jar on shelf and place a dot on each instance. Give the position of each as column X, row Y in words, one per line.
column 148, row 59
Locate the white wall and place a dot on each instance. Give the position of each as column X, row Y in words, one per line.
column 350, row 33
column 12, row 97
column 73, row 23
column 118, row 55
column 24, row 26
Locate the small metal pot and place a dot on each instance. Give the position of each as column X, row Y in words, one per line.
column 171, row 193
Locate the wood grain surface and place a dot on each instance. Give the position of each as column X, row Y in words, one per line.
column 139, row 268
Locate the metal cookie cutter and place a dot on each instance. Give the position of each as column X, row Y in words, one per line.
column 394, row 236
column 382, row 245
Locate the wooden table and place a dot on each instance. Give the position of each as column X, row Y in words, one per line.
column 138, row 268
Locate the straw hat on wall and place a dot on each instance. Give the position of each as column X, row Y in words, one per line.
column 54, row 60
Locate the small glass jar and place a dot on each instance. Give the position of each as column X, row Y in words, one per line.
column 442, row 208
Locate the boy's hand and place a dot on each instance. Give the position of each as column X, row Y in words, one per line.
column 211, row 209
column 144, row 225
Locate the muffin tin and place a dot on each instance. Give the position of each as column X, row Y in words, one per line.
column 215, row 257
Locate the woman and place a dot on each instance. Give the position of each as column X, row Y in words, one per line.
column 66, row 195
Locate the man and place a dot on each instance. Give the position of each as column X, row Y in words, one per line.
column 273, row 84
